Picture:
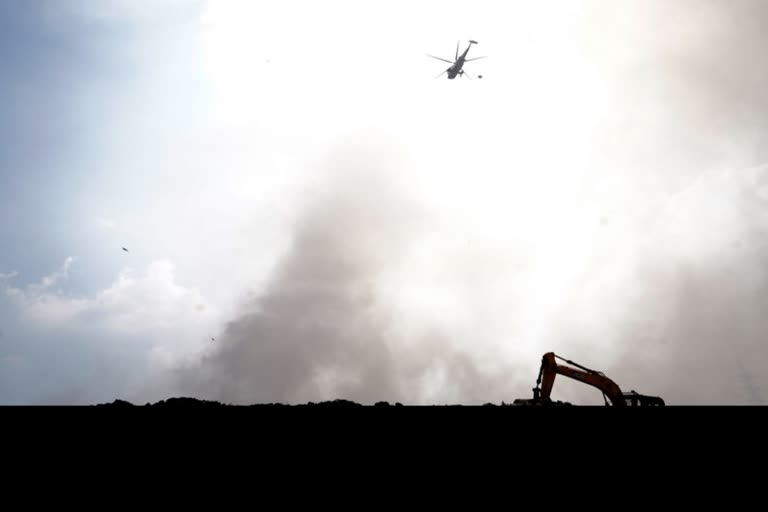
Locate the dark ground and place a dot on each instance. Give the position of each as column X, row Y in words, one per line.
column 186, row 402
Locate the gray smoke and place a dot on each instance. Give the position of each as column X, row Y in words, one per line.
column 696, row 332
column 689, row 321
column 320, row 331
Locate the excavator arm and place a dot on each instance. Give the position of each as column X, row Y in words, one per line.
column 611, row 391
column 550, row 369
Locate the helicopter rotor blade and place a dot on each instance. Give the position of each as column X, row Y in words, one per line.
column 438, row 58
column 457, row 49
column 441, row 74
column 476, row 58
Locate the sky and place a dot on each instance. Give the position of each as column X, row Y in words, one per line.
column 310, row 214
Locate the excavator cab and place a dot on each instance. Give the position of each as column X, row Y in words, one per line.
column 633, row 398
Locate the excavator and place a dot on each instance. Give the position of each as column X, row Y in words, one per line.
column 612, row 393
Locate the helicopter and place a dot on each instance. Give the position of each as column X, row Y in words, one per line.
column 457, row 64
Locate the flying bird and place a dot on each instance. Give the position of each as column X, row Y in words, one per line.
column 126, row 250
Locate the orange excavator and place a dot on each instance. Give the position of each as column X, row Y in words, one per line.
column 611, row 391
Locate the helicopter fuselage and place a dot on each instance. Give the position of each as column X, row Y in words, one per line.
column 456, row 69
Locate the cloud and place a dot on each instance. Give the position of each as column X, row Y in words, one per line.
column 60, row 275
column 120, row 341
column 106, row 224
column 149, row 305
column 41, row 301
column 8, row 276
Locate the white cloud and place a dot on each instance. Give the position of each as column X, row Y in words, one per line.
column 150, row 305
column 8, row 276
column 150, row 301
column 106, row 224
column 40, row 301
column 60, row 275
